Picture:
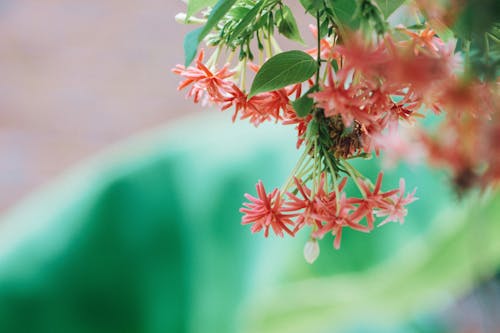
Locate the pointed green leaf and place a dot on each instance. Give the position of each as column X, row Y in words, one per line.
column 304, row 104
column 311, row 5
column 288, row 26
column 389, row 6
column 193, row 39
column 194, row 6
column 344, row 12
column 246, row 20
column 283, row 70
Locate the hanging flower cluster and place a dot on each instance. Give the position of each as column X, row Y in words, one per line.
column 346, row 98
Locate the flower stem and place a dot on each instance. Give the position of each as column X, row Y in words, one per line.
column 296, row 169
column 318, row 40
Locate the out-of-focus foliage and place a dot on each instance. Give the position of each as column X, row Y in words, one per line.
column 478, row 27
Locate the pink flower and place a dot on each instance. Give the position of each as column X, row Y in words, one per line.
column 396, row 210
column 348, row 102
column 337, row 215
column 290, row 118
column 271, row 103
column 357, row 54
column 327, row 51
column 372, row 200
column 307, row 205
column 249, row 108
column 423, row 41
column 399, row 144
column 422, row 72
column 259, row 108
column 204, row 81
column 266, row 212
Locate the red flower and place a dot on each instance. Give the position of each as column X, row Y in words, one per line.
column 337, row 215
column 349, row 102
column 259, row 108
column 372, row 200
column 396, row 210
column 307, row 205
column 327, row 50
column 266, row 211
column 291, row 118
column 204, row 80
column 369, row 59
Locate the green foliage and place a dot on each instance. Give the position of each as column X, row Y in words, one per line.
column 287, row 26
column 193, row 39
column 282, row 70
column 371, row 16
column 303, row 105
column 478, row 27
column 312, row 6
column 344, row 13
column 194, row 6
column 389, row 6
column 477, row 18
column 247, row 19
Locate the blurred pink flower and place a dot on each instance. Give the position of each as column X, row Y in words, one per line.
column 396, row 210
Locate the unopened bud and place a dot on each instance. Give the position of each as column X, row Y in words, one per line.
column 180, row 18
column 183, row 19
column 311, row 251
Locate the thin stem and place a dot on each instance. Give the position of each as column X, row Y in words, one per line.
column 306, row 169
column 487, row 48
column 231, row 56
column 354, row 175
column 466, row 48
column 243, row 74
column 268, row 46
column 334, row 177
column 261, row 52
column 275, row 44
column 493, row 37
column 295, row 169
column 315, row 181
column 318, row 40
column 212, row 61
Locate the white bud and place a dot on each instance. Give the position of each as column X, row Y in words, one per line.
column 311, row 251
column 183, row 19
column 180, row 18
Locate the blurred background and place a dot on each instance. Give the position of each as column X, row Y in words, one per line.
column 78, row 77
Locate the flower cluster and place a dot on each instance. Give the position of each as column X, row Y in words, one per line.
column 347, row 98
column 324, row 211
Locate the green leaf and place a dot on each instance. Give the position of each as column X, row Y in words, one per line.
column 282, row 70
column 288, row 26
column 344, row 11
column 310, row 5
column 389, row 6
column 191, row 43
column 304, row 104
column 194, row 6
column 246, row 20
column 476, row 18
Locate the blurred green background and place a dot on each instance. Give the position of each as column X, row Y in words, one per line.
column 146, row 237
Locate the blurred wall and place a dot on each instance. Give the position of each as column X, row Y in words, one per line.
column 76, row 75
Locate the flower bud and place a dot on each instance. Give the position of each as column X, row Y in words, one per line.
column 183, row 19
column 311, row 251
